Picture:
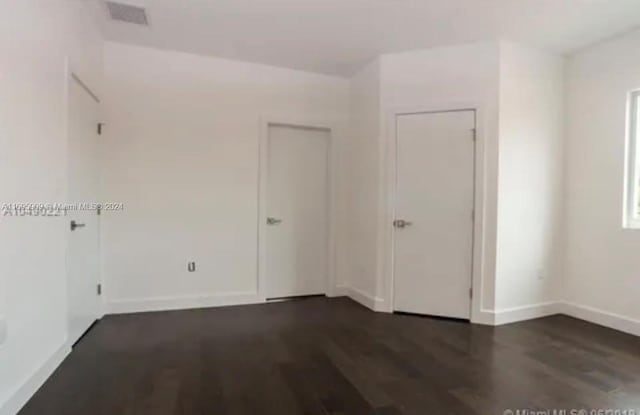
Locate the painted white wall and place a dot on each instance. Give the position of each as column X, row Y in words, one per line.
column 602, row 258
column 530, row 198
column 181, row 153
column 449, row 77
column 36, row 36
column 519, row 91
column 364, row 193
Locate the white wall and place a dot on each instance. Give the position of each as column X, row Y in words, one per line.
column 181, row 153
column 530, row 199
column 450, row 77
column 519, row 92
column 602, row 259
column 364, row 193
column 36, row 36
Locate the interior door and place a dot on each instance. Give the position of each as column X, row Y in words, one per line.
column 297, row 209
column 433, row 227
column 82, row 249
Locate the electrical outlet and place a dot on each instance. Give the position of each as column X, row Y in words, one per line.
column 3, row 330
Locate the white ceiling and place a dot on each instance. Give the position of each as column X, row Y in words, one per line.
column 338, row 36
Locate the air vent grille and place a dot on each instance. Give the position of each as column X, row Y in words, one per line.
column 127, row 13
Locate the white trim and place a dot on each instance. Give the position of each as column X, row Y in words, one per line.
column 590, row 314
column 340, row 291
column 366, row 299
column 484, row 317
column 516, row 314
column 632, row 224
column 388, row 177
column 600, row 317
column 22, row 395
column 185, row 302
column 631, row 219
column 523, row 313
column 70, row 78
column 332, row 167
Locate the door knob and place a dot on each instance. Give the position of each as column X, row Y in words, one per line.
column 273, row 221
column 75, row 225
column 401, row 223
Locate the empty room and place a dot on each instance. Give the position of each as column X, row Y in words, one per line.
column 346, row 207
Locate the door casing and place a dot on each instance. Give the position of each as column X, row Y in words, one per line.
column 71, row 78
column 266, row 122
column 388, row 181
column 460, row 307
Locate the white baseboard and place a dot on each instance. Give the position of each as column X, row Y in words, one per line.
column 515, row 314
column 484, row 317
column 592, row 315
column 367, row 300
column 22, row 395
column 528, row 312
column 601, row 317
column 340, row 291
column 181, row 302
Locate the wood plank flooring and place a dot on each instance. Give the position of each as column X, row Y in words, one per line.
column 332, row 356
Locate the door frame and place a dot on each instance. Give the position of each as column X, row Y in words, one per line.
column 389, row 185
column 70, row 77
column 332, row 168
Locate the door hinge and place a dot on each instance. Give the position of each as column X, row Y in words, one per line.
column 99, row 289
column 100, row 125
column 473, row 134
column 470, row 292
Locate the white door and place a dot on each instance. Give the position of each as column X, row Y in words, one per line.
column 82, row 249
column 433, row 227
column 297, row 210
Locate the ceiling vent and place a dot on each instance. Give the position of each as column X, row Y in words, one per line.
column 127, row 13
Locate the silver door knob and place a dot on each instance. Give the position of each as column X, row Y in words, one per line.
column 401, row 223
column 75, row 225
column 273, row 221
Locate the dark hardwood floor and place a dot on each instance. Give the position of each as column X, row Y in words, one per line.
column 332, row 356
